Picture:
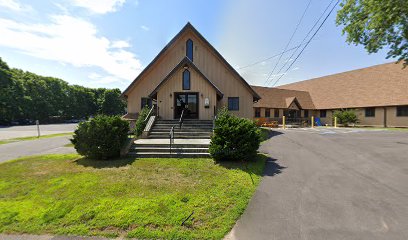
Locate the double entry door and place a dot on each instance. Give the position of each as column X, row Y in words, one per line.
column 188, row 102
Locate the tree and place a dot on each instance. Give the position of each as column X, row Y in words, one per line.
column 376, row 24
column 111, row 103
column 11, row 91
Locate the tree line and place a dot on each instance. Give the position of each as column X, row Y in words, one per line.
column 25, row 96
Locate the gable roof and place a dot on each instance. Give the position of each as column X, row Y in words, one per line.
column 380, row 85
column 182, row 63
column 188, row 26
column 282, row 98
column 291, row 100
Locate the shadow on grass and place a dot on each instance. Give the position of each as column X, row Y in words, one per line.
column 111, row 163
column 252, row 168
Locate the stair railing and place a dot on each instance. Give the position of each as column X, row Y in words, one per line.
column 181, row 120
column 151, row 112
column 171, row 136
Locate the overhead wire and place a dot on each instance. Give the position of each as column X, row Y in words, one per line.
column 290, row 40
column 308, row 42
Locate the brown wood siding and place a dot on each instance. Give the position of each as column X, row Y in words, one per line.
column 198, row 84
column 211, row 66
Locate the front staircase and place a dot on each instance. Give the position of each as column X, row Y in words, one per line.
column 191, row 140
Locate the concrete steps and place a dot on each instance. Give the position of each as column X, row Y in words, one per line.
column 192, row 140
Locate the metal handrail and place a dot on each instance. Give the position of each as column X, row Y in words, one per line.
column 171, row 136
column 150, row 113
column 181, row 118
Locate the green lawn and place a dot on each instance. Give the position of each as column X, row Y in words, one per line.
column 5, row 141
column 142, row 198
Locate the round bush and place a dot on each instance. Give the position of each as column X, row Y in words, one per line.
column 101, row 138
column 234, row 138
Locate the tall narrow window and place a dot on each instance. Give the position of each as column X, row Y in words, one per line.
column 257, row 112
column 189, row 49
column 276, row 113
column 186, row 80
column 305, row 113
column 267, row 112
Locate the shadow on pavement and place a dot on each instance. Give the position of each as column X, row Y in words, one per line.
column 272, row 168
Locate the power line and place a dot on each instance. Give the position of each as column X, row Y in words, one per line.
column 268, row 58
column 311, row 38
column 290, row 40
column 303, row 40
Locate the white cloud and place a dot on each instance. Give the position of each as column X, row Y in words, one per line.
column 145, row 28
column 99, row 79
column 99, row 6
column 120, row 44
column 14, row 5
column 74, row 41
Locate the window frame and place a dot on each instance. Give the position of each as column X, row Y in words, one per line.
column 400, row 111
column 184, row 79
column 304, row 113
column 367, row 112
column 190, row 49
column 276, row 113
column 267, row 112
column 257, row 112
column 148, row 102
column 232, row 107
column 323, row 115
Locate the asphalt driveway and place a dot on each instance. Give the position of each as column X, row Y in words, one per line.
column 35, row 147
column 330, row 184
column 7, row 132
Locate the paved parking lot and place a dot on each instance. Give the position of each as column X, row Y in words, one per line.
column 331, row 184
column 31, row 130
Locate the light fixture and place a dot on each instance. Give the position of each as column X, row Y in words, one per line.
column 186, row 66
column 171, row 95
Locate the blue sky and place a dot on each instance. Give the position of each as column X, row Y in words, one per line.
column 107, row 43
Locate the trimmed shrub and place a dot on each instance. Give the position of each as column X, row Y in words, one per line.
column 140, row 122
column 101, row 138
column 234, row 138
column 346, row 117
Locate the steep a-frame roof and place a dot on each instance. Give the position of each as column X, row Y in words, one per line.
column 187, row 27
column 185, row 62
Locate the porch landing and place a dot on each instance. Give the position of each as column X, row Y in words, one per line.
column 161, row 141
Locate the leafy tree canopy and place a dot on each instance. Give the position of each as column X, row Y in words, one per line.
column 25, row 95
column 376, row 24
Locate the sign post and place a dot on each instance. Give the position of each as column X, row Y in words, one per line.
column 38, row 128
